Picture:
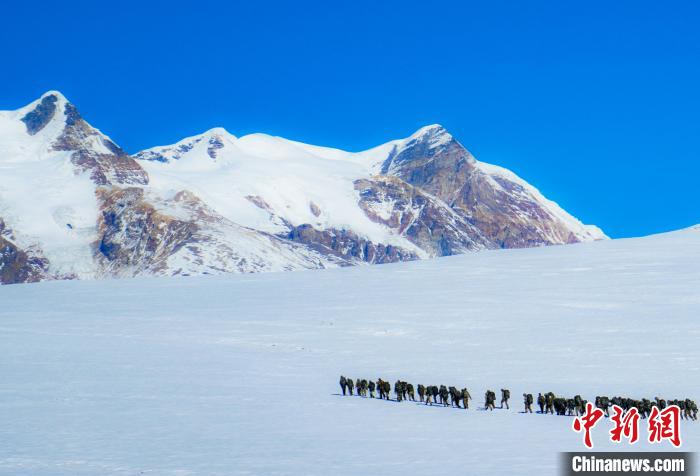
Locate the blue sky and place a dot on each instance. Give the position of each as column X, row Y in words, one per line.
column 595, row 103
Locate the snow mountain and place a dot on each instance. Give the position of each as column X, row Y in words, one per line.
column 74, row 205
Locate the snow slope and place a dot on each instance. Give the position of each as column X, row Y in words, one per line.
column 41, row 196
column 238, row 374
column 288, row 176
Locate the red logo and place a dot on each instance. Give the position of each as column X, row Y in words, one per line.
column 665, row 425
column 586, row 423
column 626, row 424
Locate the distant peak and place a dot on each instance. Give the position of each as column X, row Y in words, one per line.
column 57, row 94
column 218, row 131
column 430, row 129
column 431, row 136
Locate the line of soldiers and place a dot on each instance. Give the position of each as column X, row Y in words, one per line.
column 689, row 409
column 548, row 402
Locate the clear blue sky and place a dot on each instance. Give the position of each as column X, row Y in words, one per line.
column 595, row 103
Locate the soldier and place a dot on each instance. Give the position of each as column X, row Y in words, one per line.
column 527, row 399
column 343, row 384
column 435, row 393
column 688, row 408
column 604, row 404
column 560, row 405
column 421, row 392
column 411, row 394
column 371, row 389
column 693, row 409
column 570, row 406
column 541, row 401
column 455, row 396
column 444, row 395
column 490, row 398
column 660, row 402
column 465, row 398
column 429, row 395
column 549, row 403
column 398, row 390
column 350, row 384
column 578, row 405
column 404, row 390
column 365, row 386
column 505, row 396
column 380, row 388
column 387, row 389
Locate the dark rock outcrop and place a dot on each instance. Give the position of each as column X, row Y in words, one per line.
column 500, row 207
column 423, row 219
column 92, row 152
column 17, row 265
column 348, row 245
column 41, row 115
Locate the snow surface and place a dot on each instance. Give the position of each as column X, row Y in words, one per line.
column 238, row 374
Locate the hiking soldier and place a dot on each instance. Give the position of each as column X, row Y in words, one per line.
column 421, row 392
column 371, row 389
column 410, row 392
column 465, row 398
column 541, row 401
column 350, row 384
column 444, row 394
column 505, row 396
column 490, row 398
column 343, row 384
column 527, row 398
column 549, row 403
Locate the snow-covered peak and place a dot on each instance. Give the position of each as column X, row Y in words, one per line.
column 433, row 136
column 208, row 143
column 57, row 94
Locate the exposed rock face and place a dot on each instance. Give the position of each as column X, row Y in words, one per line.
column 135, row 237
column 425, row 220
column 42, row 114
column 19, row 266
column 506, row 210
column 106, row 162
column 348, row 246
column 142, row 234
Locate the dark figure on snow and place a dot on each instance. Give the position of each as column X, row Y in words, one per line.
column 421, row 392
column 527, row 399
column 560, row 406
column 435, row 392
column 604, row 404
column 410, row 392
column 465, row 398
column 505, row 396
column 661, row 403
column 549, row 403
column 398, row 390
column 541, row 402
column 350, row 384
column 371, row 386
column 343, row 384
column 579, row 406
column 365, row 386
column 490, row 399
column 387, row 389
column 444, row 394
column 455, row 396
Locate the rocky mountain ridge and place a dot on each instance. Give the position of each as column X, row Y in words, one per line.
column 74, row 205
